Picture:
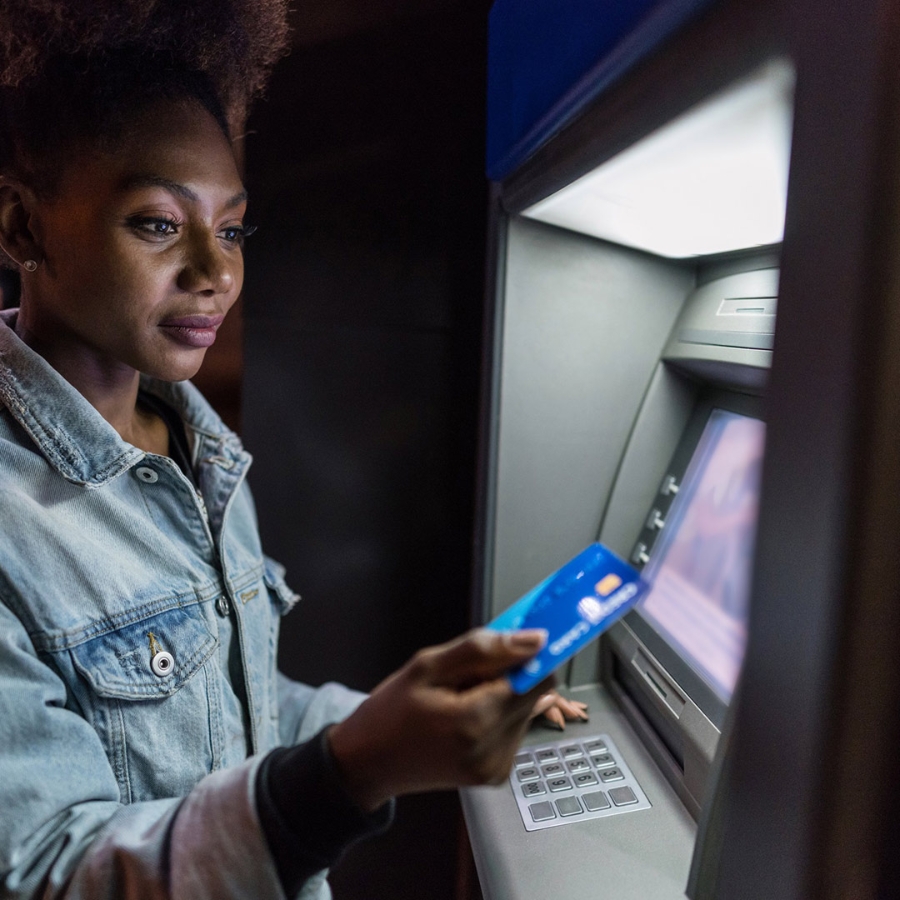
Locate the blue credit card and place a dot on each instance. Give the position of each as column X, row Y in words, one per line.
column 574, row 605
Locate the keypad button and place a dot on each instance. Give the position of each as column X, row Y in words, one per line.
column 571, row 751
column 540, row 812
column 595, row 800
column 533, row 789
column 613, row 774
column 569, row 806
column 622, row 796
column 559, row 784
column 585, row 779
column 524, row 759
column 596, row 747
column 544, row 756
column 602, row 760
column 529, row 774
column 552, row 769
column 578, row 765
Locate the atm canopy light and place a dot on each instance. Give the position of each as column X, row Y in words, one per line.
column 711, row 181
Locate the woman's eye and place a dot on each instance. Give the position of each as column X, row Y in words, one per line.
column 235, row 234
column 154, row 226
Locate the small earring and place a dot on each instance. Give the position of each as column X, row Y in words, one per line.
column 29, row 265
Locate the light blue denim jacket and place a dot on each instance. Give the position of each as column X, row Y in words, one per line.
column 120, row 778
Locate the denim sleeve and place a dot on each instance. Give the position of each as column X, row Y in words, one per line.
column 304, row 711
column 63, row 831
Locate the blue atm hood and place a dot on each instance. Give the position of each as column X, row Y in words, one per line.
column 547, row 59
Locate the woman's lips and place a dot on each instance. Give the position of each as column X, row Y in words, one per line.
column 192, row 331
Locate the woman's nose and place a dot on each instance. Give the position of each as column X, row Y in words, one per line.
column 206, row 269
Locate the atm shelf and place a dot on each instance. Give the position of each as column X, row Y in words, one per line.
column 644, row 856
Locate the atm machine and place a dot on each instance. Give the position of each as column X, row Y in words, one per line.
column 641, row 254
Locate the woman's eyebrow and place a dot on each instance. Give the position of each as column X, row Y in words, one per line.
column 141, row 181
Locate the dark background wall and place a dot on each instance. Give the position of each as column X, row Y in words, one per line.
column 362, row 320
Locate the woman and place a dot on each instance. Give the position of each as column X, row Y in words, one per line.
column 149, row 746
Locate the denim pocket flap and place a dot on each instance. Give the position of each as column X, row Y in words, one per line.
column 273, row 575
column 148, row 659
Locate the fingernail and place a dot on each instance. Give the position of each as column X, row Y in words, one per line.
column 528, row 638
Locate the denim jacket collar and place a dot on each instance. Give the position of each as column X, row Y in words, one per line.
column 76, row 440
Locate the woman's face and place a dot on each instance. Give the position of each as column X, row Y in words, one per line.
column 141, row 248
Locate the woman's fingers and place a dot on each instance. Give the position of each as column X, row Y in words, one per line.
column 573, row 710
column 477, row 656
column 544, row 702
column 557, row 709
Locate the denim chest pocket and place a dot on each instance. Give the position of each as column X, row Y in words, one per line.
column 152, row 698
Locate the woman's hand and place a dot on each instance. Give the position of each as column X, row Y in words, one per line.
column 556, row 710
column 448, row 718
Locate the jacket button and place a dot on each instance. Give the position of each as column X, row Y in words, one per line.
column 146, row 474
column 162, row 663
column 223, row 607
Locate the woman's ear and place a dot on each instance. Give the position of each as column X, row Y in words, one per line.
column 16, row 210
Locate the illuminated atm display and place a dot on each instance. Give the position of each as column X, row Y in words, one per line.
column 700, row 566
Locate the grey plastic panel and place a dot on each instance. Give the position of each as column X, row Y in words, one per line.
column 584, row 325
column 664, row 414
column 645, row 856
column 698, row 735
column 728, row 320
column 666, row 409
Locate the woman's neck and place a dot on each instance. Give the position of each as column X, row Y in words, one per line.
column 112, row 389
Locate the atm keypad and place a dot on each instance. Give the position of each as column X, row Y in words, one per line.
column 575, row 775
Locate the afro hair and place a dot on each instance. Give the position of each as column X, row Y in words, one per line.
column 234, row 43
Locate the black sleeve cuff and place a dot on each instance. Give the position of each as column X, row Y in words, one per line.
column 307, row 816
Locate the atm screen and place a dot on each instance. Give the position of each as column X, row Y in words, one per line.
column 700, row 565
